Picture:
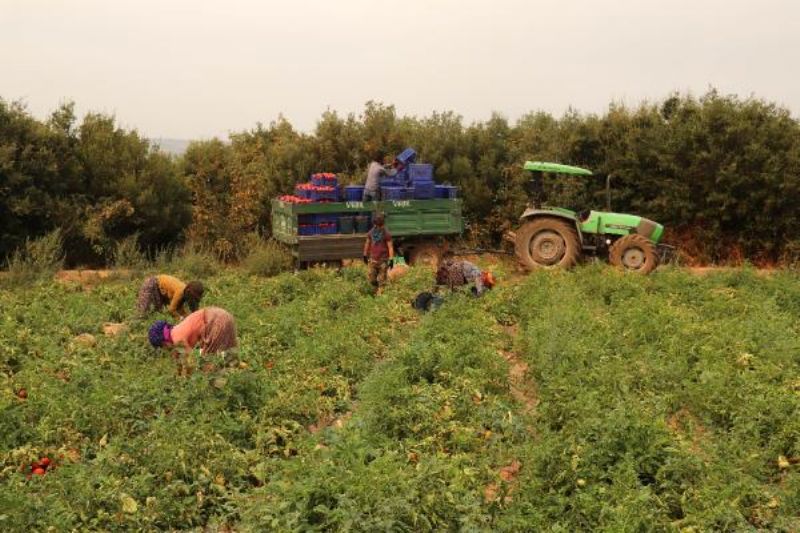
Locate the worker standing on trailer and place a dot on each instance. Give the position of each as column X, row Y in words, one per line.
column 378, row 252
column 458, row 273
column 375, row 171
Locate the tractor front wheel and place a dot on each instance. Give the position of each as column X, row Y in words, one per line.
column 634, row 253
column 547, row 243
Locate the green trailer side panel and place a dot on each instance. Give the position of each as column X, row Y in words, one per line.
column 404, row 218
column 329, row 247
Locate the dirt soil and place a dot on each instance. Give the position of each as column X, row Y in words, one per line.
column 91, row 277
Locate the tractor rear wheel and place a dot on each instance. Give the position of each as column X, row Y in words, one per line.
column 547, row 243
column 634, row 253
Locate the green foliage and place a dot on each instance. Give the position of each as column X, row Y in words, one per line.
column 664, row 402
column 719, row 171
column 195, row 262
column 266, row 258
column 128, row 255
column 37, row 259
column 95, row 181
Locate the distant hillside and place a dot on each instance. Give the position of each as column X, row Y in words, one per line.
column 172, row 146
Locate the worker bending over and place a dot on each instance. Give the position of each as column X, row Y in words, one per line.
column 458, row 272
column 378, row 251
column 210, row 328
column 158, row 291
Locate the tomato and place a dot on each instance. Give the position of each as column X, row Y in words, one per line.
column 44, row 461
column 22, row 393
column 38, row 471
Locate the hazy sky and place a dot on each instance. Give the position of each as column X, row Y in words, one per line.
column 194, row 68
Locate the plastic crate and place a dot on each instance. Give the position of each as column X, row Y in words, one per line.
column 325, row 194
column 347, row 224
column 446, row 191
column 420, row 172
column 325, row 219
column 402, row 177
column 424, row 190
column 327, row 228
column 307, row 229
column 303, row 190
column 392, row 193
column 392, row 182
column 407, row 156
column 362, row 223
column 324, row 179
column 354, row 193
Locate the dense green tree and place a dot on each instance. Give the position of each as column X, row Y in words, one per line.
column 722, row 173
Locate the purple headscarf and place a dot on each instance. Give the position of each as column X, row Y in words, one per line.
column 159, row 332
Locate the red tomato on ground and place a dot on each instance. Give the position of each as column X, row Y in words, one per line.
column 44, row 461
column 38, row 471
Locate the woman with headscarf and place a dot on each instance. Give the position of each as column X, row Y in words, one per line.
column 158, row 291
column 211, row 328
column 457, row 273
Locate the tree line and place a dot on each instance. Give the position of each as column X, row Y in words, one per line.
column 721, row 172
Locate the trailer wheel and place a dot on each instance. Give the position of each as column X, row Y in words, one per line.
column 634, row 253
column 426, row 254
column 547, row 243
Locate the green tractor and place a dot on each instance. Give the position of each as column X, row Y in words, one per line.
column 554, row 237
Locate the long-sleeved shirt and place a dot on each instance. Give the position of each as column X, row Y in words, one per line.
column 172, row 288
column 375, row 171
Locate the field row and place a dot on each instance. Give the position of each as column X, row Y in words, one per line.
column 580, row 400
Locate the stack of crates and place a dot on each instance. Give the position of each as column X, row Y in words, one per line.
column 422, row 181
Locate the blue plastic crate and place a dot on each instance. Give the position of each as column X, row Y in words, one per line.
column 446, row 191
column 408, row 193
column 324, row 179
column 402, row 177
column 407, row 156
column 327, row 228
column 424, row 190
column 391, row 181
column 331, row 195
column 392, row 193
column 421, row 172
column 325, row 219
column 307, row 229
column 354, row 193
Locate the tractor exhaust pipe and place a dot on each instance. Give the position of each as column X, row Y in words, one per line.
column 608, row 192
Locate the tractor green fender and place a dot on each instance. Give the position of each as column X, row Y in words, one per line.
column 557, row 212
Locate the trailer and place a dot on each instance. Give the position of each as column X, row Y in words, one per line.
column 419, row 228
